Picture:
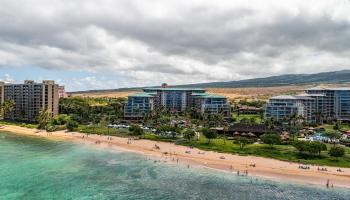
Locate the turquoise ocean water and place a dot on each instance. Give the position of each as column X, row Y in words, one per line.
column 35, row 168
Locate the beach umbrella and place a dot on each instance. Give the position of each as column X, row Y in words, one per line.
column 244, row 134
column 251, row 134
column 236, row 133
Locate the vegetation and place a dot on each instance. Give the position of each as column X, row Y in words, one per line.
column 189, row 134
column 271, row 139
column 243, row 141
column 257, row 104
column 333, row 135
column 247, row 118
column 72, row 125
column 209, row 134
column 6, row 107
column 337, row 152
column 25, row 125
column 310, row 147
column 136, row 130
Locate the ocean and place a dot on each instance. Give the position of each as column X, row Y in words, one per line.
column 38, row 168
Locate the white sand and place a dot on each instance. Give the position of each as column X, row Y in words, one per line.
column 268, row 168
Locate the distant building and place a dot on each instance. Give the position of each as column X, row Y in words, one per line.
column 281, row 108
column 317, row 104
column 29, row 99
column 174, row 100
column 335, row 102
column 62, row 92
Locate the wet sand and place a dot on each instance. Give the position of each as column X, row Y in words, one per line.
column 177, row 154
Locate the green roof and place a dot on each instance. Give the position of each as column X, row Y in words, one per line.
column 176, row 89
column 142, row 94
column 207, row 95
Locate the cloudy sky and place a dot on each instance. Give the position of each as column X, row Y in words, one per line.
column 95, row 44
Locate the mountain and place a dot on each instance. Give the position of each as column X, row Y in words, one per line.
column 336, row 77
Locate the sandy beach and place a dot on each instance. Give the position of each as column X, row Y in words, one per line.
column 176, row 154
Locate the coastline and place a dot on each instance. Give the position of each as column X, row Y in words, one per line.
column 265, row 167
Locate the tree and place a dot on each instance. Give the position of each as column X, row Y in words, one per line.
column 337, row 152
column 337, row 126
column 7, row 107
column 243, row 141
column 209, row 134
column 189, row 134
column 271, row 139
column 317, row 147
column 43, row 118
column 71, row 125
column 136, row 130
column 333, row 135
column 307, row 147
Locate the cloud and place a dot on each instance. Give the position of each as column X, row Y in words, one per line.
column 147, row 43
column 8, row 79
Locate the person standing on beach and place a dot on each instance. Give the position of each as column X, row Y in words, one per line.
column 327, row 184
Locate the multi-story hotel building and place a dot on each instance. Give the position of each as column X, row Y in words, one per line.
column 317, row 103
column 30, row 98
column 174, row 100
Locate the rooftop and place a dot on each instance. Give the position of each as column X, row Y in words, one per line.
column 324, row 88
column 284, row 97
column 142, row 94
column 207, row 95
column 174, row 89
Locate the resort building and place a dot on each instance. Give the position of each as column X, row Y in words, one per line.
column 317, row 104
column 30, row 98
column 62, row 92
column 335, row 103
column 174, row 100
column 281, row 108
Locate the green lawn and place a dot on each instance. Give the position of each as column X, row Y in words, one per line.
column 343, row 127
column 280, row 152
column 247, row 116
column 103, row 130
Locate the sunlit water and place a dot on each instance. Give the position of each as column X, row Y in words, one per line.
column 35, row 168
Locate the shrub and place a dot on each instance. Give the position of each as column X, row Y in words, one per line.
column 337, row 152
column 309, row 147
column 209, row 134
column 136, row 130
column 71, row 125
column 271, row 139
column 189, row 134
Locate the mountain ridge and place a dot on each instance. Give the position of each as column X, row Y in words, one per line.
column 333, row 77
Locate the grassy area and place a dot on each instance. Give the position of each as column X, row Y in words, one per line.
column 103, row 130
column 26, row 125
column 280, row 152
column 247, row 116
column 343, row 127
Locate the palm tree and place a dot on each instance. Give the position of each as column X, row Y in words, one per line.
column 319, row 117
column 225, row 128
column 7, row 107
column 43, row 118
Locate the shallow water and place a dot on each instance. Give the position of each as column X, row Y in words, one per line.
column 36, row 168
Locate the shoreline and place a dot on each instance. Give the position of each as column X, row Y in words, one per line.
column 265, row 167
